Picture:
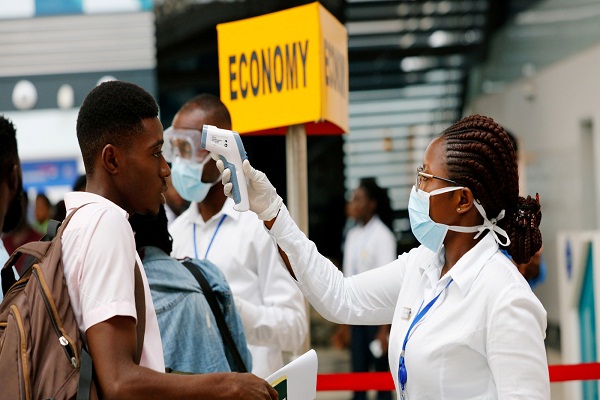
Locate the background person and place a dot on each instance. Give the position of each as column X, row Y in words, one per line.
column 271, row 306
column 369, row 243
column 23, row 233
column 465, row 324
column 43, row 212
column 11, row 184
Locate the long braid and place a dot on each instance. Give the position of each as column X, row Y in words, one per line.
column 480, row 155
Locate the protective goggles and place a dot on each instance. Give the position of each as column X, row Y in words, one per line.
column 184, row 143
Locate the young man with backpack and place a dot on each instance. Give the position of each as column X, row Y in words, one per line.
column 121, row 137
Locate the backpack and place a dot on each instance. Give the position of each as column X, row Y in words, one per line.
column 42, row 355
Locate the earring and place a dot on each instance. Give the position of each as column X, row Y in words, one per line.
column 458, row 209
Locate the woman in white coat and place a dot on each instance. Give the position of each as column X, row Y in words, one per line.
column 465, row 324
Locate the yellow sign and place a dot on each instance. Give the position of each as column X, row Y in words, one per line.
column 285, row 68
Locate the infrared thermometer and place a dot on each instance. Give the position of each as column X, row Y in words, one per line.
column 228, row 145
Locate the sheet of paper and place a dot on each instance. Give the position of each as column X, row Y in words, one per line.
column 298, row 379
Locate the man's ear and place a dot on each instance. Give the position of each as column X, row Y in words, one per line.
column 14, row 178
column 465, row 200
column 110, row 159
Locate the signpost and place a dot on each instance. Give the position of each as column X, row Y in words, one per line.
column 287, row 73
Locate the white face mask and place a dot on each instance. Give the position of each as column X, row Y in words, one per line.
column 432, row 234
column 187, row 179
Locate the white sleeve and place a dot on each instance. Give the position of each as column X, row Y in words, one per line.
column 281, row 319
column 106, row 280
column 515, row 345
column 364, row 299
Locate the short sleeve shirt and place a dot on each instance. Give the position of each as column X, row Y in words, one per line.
column 99, row 258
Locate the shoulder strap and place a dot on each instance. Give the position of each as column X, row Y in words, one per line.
column 52, row 230
column 216, row 309
column 140, row 301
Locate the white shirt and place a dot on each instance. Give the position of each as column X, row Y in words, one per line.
column 4, row 256
column 270, row 305
column 482, row 339
column 98, row 252
column 368, row 246
column 171, row 216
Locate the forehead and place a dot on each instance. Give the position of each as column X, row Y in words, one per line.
column 359, row 194
column 192, row 119
column 152, row 132
column 434, row 160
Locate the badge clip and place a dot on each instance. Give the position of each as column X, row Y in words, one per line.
column 406, row 312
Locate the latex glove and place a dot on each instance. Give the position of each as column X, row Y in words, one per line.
column 262, row 196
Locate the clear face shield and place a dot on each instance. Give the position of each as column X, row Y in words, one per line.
column 185, row 144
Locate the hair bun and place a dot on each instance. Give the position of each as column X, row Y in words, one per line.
column 529, row 212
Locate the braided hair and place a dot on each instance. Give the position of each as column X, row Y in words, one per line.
column 481, row 156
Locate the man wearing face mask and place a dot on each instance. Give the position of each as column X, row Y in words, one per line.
column 11, row 184
column 270, row 305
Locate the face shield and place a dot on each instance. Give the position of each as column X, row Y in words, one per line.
column 185, row 144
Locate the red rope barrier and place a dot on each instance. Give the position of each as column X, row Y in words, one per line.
column 358, row 381
column 574, row 372
column 363, row 381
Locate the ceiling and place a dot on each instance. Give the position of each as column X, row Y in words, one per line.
column 391, row 44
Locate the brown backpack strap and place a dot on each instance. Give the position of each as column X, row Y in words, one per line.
column 32, row 251
column 140, row 308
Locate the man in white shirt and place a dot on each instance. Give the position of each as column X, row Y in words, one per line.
column 121, row 140
column 11, row 184
column 271, row 306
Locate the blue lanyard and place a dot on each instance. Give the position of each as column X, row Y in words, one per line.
column 211, row 240
column 402, row 375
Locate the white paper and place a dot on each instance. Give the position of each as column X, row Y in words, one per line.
column 298, row 379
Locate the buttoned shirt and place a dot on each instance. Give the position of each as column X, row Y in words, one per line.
column 482, row 339
column 270, row 305
column 99, row 256
column 368, row 246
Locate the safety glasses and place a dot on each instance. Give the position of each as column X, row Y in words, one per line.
column 184, row 143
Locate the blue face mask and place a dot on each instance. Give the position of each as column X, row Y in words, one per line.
column 432, row 234
column 187, row 179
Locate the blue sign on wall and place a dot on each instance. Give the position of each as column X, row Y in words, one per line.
column 58, row 7
column 41, row 174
